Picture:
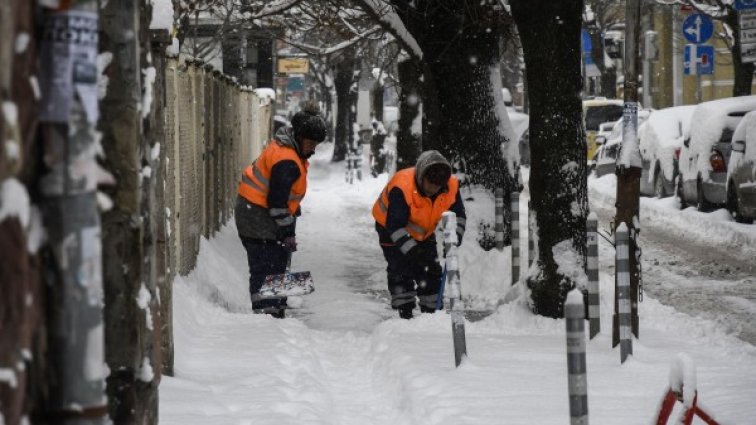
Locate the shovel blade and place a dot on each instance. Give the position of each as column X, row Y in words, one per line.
column 287, row 284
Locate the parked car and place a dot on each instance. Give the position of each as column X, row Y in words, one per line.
column 741, row 171
column 596, row 112
column 660, row 139
column 604, row 161
column 704, row 155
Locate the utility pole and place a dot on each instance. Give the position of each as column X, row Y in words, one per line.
column 68, row 113
column 128, row 252
column 629, row 166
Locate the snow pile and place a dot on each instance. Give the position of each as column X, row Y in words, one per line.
column 266, row 94
column 663, row 133
column 717, row 228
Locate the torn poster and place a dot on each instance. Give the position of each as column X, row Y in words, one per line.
column 68, row 65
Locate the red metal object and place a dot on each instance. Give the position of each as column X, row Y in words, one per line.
column 669, row 404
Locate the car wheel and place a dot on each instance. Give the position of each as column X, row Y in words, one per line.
column 701, row 203
column 681, row 193
column 733, row 205
column 659, row 190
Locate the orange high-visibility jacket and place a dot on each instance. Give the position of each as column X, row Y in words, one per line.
column 424, row 213
column 255, row 179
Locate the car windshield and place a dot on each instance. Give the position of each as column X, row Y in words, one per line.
column 596, row 115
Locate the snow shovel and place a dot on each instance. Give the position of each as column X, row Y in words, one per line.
column 287, row 284
column 440, row 298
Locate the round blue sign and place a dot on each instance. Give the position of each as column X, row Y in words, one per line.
column 697, row 28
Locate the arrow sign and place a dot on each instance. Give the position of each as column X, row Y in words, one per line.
column 698, row 28
column 698, row 60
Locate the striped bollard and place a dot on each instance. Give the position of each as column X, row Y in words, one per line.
column 453, row 283
column 592, row 271
column 499, row 223
column 576, row 365
column 531, row 237
column 515, row 199
column 349, row 167
column 623, row 291
column 358, row 164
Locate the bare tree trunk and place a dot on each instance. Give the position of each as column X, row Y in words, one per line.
column 407, row 137
column 550, row 34
column 127, row 228
column 343, row 82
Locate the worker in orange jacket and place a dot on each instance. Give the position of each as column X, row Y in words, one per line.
column 269, row 194
column 406, row 215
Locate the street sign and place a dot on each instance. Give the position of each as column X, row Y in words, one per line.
column 697, row 28
column 748, row 52
column 748, row 36
column 703, row 62
column 745, row 4
column 747, row 21
column 293, row 65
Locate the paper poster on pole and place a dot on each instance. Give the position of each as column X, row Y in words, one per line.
column 68, row 55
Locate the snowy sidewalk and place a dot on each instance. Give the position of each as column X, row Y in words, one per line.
column 344, row 359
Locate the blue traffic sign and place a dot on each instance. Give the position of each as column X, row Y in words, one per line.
column 703, row 64
column 697, row 28
column 587, row 47
column 745, row 4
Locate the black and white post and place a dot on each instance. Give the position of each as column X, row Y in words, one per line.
column 577, row 379
column 499, row 219
column 453, row 283
column 515, row 199
column 592, row 271
column 349, row 174
column 623, row 291
column 531, row 237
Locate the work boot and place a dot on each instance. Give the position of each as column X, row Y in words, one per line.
column 280, row 314
column 424, row 309
column 405, row 312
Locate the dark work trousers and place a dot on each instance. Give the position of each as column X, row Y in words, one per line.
column 407, row 279
column 265, row 257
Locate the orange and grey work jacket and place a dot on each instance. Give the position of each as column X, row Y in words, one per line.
column 424, row 212
column 255, row 181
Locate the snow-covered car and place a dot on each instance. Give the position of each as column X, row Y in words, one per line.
column 660, row 139
column 704, row 155
column 741, row 171
column 605, row 158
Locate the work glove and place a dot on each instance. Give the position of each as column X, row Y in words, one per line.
column 424, row 256
column 289, row 243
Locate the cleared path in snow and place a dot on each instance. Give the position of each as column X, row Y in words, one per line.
column 701, row 279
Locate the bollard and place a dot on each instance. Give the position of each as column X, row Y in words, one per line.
column 531, row 238
column 576, row 365
column 358, row 164
column 515, row 199
column 455, row 291
column 592, row 271
column 623, row 291
column 499, row 219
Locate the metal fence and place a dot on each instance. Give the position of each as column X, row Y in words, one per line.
column 214, row 128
